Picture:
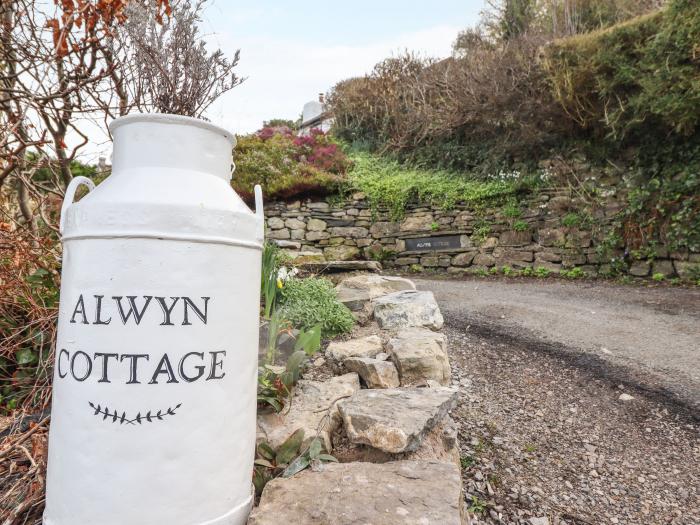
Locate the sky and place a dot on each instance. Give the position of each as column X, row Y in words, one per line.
column 292, row 51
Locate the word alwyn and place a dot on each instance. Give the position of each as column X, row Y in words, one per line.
column 171, row 309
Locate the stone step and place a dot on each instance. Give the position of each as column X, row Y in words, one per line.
column 394, row 493
column 407, row 309
column 420, row 355
column 312, row 402
column 395, row 420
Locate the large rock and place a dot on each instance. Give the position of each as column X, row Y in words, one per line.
column 406, row 309
column 356, row 291
column 395, row 493
column 395, row 420
column 420, row 354
column 311, row 402
column 375, row 373
column 440, row 444
column 368, row 346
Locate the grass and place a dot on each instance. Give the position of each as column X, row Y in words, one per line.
column 388, row 183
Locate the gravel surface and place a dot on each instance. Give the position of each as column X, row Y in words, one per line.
column 651, row 334
column 555, row 432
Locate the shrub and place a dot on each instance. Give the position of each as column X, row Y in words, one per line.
column 634, row 77
column 29, row 284
column 482, row 107
column 286, row 165
column 311, row 301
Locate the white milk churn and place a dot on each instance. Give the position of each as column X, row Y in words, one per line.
column 153, row 417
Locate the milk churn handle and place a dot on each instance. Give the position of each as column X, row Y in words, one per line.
column 259, row 209
column 70, row 195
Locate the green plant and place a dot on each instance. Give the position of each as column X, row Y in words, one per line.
column 434, row 226
column 476, row 505
column 416, row 268
column 466, row 462
column 542, row 272
column 269, row 282
column 481, row 232
column 520, row 226
column 494, row 270
column 658, row 277
column 512, row 210
column 508, row 271
column 633, row 78
column 571, row 220
column 286, row 460
column 481, row 272
column 388, row 183
column 573, row 273
column 312, row 301
column 275, row 382
column 379, row 253
column 693, row 273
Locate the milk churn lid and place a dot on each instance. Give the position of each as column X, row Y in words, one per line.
column 170, row 180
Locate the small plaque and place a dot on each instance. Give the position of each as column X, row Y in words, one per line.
column 422, row 244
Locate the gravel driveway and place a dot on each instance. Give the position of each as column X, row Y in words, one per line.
column 579, row 400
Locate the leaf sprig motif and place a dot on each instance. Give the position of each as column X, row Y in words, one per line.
column 123, row 418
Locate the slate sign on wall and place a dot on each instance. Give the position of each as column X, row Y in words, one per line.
column 444, row 242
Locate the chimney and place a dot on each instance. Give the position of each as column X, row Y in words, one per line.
column 320, row 98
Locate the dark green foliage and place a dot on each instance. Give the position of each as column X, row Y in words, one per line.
column 635, row 78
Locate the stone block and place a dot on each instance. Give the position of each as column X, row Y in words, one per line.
column 417, row 223
column 314, row 235
column 513, row 238
column 316, row 225
column 341, row 253
column 407, row 309
column 295, row 224
column 394, row 493
column 352, row 232
column 420, row 355
column 395, row 420
column 463, row 259
column 484, row 259
column 368, row 346
column 375, row 373
column 384, row 229
column 279, row 234
column 275, row 223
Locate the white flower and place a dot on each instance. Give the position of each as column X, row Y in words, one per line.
column 285, row 273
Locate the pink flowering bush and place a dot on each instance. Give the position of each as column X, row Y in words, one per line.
column 286, row 165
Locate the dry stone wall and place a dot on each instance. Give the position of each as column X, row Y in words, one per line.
column 462, row 239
